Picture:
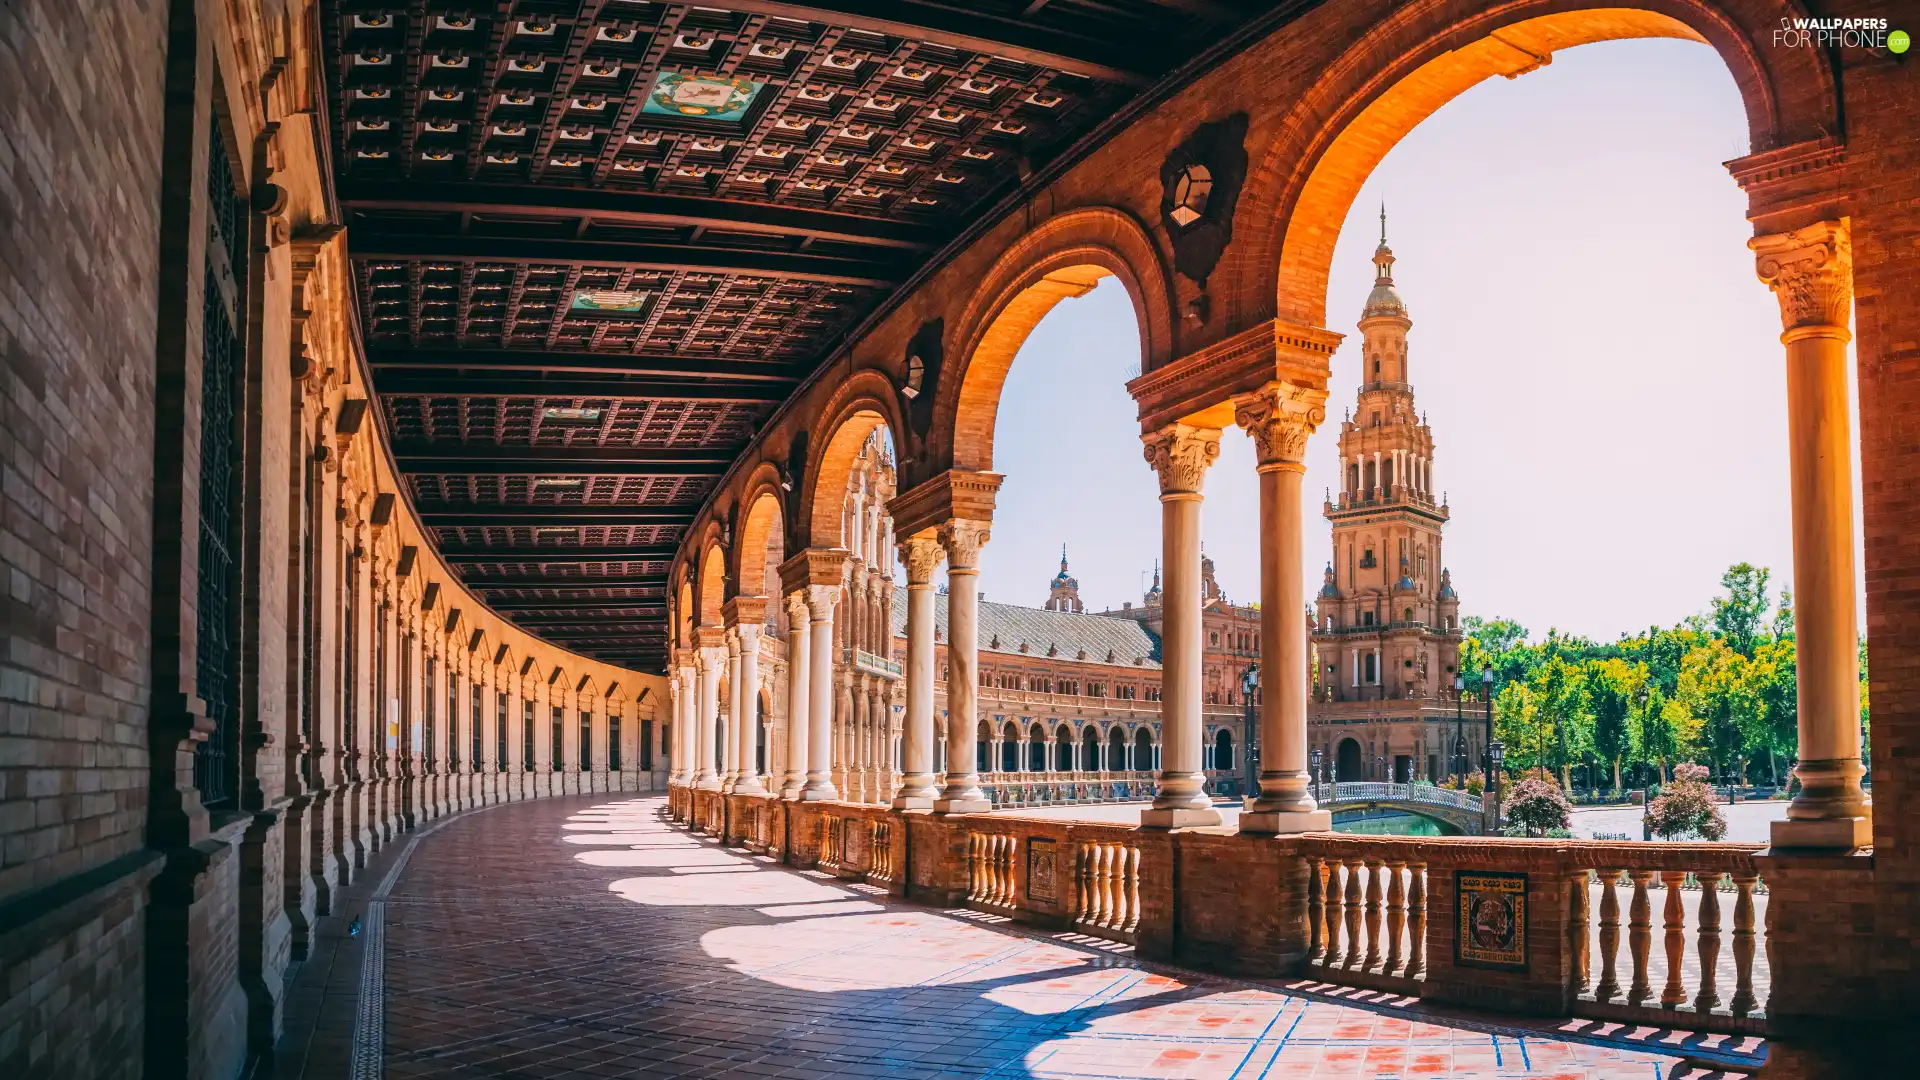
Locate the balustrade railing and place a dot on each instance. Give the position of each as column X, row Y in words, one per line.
column 1378, row 791
column 880, row 862
column 1367, row 912
column 833, row 843
column 1106, row 889
column 990, row 869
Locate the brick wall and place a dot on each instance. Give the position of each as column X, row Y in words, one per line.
column 79, row 225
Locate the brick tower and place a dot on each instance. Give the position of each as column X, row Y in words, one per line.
column 1386, row 625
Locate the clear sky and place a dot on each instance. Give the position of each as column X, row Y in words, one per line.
column 1601, row 368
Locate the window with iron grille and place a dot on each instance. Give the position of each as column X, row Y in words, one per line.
column 613, row 742
column 526, row 736
column 429, row 715
column 500, row 734
column 646, row 745
column 310, row 626
column 222, row 359
column 586, row 741
column 349, row 668
column 453, row 718
column 474, row 728
column 559, row 721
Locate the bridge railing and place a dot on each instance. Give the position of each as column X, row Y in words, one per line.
column 1377, row 791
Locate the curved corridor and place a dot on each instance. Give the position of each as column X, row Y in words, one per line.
column 589, row 938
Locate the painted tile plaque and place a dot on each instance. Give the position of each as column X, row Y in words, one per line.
column 704, row 97
column 1042, row 860
column 1492, row 909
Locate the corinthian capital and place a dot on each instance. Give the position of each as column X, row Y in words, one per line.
column 1280, row 416
column 963, row 540
column 1180, row 453
column 797, row 607
column 921, row 554
column 1810, row 270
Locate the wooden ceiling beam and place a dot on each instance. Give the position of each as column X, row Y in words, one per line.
column 567, row 584
column 444, row 459
column 500, row 553
column 552, row 515
column 635, row 208
column 389, row 358
column 441, row 385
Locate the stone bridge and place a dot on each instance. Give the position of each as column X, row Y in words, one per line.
column 1456, row 810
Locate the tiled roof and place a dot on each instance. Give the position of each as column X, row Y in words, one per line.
column 1012, row 625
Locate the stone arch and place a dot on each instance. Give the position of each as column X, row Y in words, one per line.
column 1423, row 56
column 711, row 591
column 1116, row 749
column 682, row 609
column 1143, row 749
column 865, row 401
column 1349, row 761
column 762, row 527
column 1061, row 257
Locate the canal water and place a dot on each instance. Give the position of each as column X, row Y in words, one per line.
column 1385, row 823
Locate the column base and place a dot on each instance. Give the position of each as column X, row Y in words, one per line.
column 707, row 785
column 962, row 806
column 823, row 793
column 1283, row 822
column 1155, row 818
column 913, row 802
column 1823, row 834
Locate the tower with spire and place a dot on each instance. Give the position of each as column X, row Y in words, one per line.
column 1386, row 620
column 1064, row 590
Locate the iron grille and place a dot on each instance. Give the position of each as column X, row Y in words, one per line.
column 646, row 745
column 349, row 668
column 500, row 734
column 613, row 743
column 217, row 600
column 429, row 713
column 559, row 722
column 526, row 737
column 586, row 741
column 474, row 729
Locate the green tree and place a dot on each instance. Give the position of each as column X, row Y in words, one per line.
column 1516, row 723
column 1739, row 615
column 1612, row 686
column 1774, row 681
column 1560, row 697
column 1714, row 687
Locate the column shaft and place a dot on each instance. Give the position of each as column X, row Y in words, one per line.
column 1181, row 453
column 962, row 541
column 704, row 775
column 819, row 786
column 747, row 779
column 799, row 696
column 730, row 767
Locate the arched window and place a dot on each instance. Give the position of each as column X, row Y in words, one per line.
column 1037, row 755
column 1063, row 749
column 1116, row 749
column 1089, row 749
column 1142, row 750
column 1223, row 750
column 1010, row 749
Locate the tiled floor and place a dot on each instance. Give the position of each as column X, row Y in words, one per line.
column 588, row 938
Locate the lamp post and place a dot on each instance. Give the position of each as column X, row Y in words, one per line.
column 1494, row 753
column 1249, row 693
column 1459, row 729
column 1313, row 771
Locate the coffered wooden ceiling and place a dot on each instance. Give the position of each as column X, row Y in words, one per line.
column 598, row 242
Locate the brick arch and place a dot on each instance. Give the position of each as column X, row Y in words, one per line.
column 865, row 401
column 1061, row 257
column 682, row 614
column 761, row 527
column 1424, row 56
column 710, row 589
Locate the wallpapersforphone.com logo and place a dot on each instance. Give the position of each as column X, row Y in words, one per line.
column 1832, row 33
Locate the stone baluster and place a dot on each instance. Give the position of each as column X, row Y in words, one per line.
column 1743, row 942
column 1709, row 937
column 1356, row 945
column 1640, row 936
column 1316, row 910
column 1375, row 875
column 1336, row 913
column 1396, row 915
column 1675, row 923
column 1578, row 926
column 1417, row 920
column 1609, row 984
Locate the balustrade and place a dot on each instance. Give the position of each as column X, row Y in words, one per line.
column 990, row 869
column 1366, row 911
column 1106, row 889
column 880, row 863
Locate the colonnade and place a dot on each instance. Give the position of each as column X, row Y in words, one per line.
column 1810, row 271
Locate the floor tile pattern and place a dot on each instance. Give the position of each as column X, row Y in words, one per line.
column 584, row 938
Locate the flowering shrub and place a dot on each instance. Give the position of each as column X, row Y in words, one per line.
column 1536, row 807
column 1686, row 808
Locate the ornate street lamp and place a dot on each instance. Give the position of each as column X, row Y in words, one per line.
column 1249, row 693
column 1491, row 798
column 1314, row 770
column 1459, row 730
column 1486, row 695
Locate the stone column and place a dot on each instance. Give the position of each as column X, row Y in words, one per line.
column 917, row 791
column 682, row 696
column 712, row 659
column 1280, row 417
column 799, row 696
column 962, row 540
column 819, row 786
column 747, row 780
column 730, row 767
column 1181, row 453
column 1811, row 272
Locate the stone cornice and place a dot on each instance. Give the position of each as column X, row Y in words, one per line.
column 1794, row 185
column 814, row 566
column 1198, row 388
column 744, row 611
column 956, row 493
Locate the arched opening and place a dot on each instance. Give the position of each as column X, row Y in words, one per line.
column 1009, row 748
column 1350, row 761
column 1037, row 749
column 1116, row 749
column 1223, row 750
column 1143, row 750
column 981, row 746
column 1089, row 749
column 1063, row 749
